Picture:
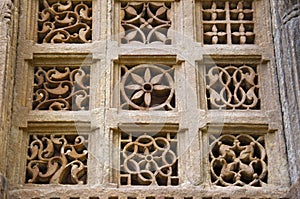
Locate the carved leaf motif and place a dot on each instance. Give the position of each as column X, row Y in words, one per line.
column 63, row 22
column 245, row 165
column 144, row 18
column 137, row 95
column 57, row 90
column 52, row 166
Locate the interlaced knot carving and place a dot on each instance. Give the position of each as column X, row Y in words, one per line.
column 65, row 21
column 238, row 160
column 57, row 159
column 147, row 87
column 61, row 88
column 232, row 87
column 145, row 22
column 228, row 22
column 149, row 160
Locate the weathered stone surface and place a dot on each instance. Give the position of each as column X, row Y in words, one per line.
column 196, row 82
column 286, row 34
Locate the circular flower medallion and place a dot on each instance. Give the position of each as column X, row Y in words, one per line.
column 148, row 87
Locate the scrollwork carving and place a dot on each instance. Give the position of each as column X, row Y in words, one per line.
column 145, row 22
column 61, row 88
column 65, row 21
column 238, row 160
column 57, row 159
column 149, row 160
column 147, row 87
column 232, row 87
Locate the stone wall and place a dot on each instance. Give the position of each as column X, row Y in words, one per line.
column 287, row 48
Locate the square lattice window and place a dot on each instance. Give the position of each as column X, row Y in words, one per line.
column 232, row 86
column 227, row 21
column 62, row 21
column 145, row 22
column 57, row 159
column 238, row 160
column 148, row 159
column 147, row 87
column 61, row 88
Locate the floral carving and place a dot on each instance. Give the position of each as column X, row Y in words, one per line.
column 149, row 160
column 238, row 160
column 61, row 88
column 232, row 87
column 145, row 22
column 57, row 159
column 228, row 22
column 65, row 21
column 147, row 87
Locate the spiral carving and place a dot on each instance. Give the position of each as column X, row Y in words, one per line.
column 65, row 21
column 232, row 87
column 57, row 159
column 61, row 88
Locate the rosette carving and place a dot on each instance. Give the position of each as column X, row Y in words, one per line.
column 58, row 88
column 232, row 87
column 57, row 159
column 147, row 87
column 64, row 21
column 149, row 160
column 238, row 160
column 145, row 22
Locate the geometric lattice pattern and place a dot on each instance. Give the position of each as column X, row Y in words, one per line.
column 238, row 160
column 232, row 86
column 148, row 159
column 62, row 21
column 145, row 23
column 147, row 87
column 61, row 88
column 228, row 22
column 57, row 159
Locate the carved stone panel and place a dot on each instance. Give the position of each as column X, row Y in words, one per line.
column 238, row 160
column 64, row 21
column 232, row 86
column 61, row 88
column 228, row 22
column 148, row 159
column 147, row 87
column 145, row 22
column 57, row 159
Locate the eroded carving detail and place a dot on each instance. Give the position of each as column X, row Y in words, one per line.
column 238, row 160
column 145, row 22
column 149, row 159
column 57, row 159
column 232, row 87
column 147, row 87
column 6, row 7
column 228, row 22
column 61, row 88
column 64, row 21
